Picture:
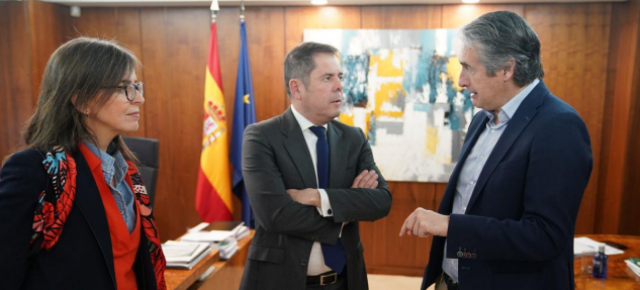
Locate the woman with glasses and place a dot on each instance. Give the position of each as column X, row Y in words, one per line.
column 74, row 213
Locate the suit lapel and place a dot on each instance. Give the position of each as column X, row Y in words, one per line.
column 517, row 124
column 337, row 156
column 90, row 204
column 297, row 148
column 475, row 129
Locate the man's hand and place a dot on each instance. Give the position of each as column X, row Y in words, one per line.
column 423, row 223
column 366, row 179
column 307, row 196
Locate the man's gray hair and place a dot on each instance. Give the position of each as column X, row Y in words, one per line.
column 299, row 62
column 500, row 37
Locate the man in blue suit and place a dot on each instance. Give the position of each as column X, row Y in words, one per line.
column 508, row 215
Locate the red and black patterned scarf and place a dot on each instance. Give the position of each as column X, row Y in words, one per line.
column 53, row 208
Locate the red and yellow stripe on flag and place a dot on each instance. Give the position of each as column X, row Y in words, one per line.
column 213, row 194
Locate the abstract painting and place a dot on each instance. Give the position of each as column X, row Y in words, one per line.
column 401, row 89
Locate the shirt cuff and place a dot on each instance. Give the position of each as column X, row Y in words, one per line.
column 325, row 210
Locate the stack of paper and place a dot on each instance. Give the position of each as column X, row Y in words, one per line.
column 584, row 245
column 236, row 228
column 634, row 265
column 222, row 235
column 227, row 248
column 183, row 254
column 212, row 237
column 241, row 232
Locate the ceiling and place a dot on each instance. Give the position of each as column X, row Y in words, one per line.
column 113, row 3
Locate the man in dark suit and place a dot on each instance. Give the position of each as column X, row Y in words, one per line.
column 310, row 180
column 508, row 215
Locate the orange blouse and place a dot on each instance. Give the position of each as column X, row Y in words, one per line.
column 124, row 245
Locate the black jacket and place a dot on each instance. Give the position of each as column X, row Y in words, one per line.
column 82, row 257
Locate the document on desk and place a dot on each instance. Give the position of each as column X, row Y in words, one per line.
column 634, row 265
column 236, row 228
column 207, row 237
column 584, row 245
column 184, row 255
column 180, row 251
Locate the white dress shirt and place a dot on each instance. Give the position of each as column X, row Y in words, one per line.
column 316, row 264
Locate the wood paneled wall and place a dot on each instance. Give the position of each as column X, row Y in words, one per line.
column 46, row 22
column 619, row 185
column 575, row 46
column 586, row 52
column 15, row 74
column 25, row 47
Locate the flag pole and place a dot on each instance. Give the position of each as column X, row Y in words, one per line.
column 242, row 10
column 214, row 10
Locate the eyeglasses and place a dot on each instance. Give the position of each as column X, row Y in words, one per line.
column 130, row 90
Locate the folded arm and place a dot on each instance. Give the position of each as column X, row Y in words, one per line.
column 362, row 204
column 320, row 199
column 275, row 210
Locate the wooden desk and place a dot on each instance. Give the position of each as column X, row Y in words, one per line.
column 227, row 274
column 180, row 279
column 619, row 276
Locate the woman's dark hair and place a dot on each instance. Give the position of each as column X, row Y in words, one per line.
column 76, row 76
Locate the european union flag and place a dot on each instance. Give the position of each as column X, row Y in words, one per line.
column 244, row 114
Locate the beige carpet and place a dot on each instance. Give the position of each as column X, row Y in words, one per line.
column 386, row 282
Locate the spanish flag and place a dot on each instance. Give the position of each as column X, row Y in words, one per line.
column 213, row 194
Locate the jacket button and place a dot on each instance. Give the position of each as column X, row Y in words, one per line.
column 304, row 262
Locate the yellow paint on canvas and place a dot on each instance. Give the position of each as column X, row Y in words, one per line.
column 431, row 142
column 346, row 119
column 367, row 123
column 385, row 94
column 453, row 71
column 385, row 66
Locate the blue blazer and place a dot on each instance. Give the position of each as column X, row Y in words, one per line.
column 82, row 258
column 517, row 231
